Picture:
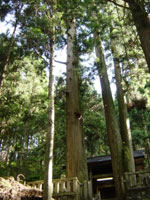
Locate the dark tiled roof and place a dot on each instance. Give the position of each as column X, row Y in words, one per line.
column 97, row 159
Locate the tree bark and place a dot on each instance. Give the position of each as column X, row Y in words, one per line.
column 76, row 161
column 48, row 173
column 48, row 176
column 125, row 131
column 142, row 23
column 111, row 120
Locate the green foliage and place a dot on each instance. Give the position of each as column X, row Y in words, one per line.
column 140, row 127
column 5, row 8
column 93, row 121
column 24, row 99
column 23, row 111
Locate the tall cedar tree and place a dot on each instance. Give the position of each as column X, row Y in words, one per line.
column 125, row 131
column 76, row 162
column 115, row 141
column 48, row 176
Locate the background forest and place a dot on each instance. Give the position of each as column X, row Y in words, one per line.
column 24, row 58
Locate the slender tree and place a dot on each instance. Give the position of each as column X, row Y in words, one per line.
column 123, row 114
column 111, row 120
column 48, row 185
column 115, row 141
column 48, row 176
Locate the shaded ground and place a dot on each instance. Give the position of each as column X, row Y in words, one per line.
column 13, row 190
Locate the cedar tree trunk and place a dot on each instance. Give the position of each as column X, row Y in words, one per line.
column 76, row 161
column 142, row 23
column 125, row 131
column 48, row 176
column 111, row 120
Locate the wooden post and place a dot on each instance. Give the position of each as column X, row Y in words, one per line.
column 40, row 186
column 85, row 192
column 68, row 186
column 63, row 186
column 56, row 186
column 90, row 190
column 140, row 180
column 74, row 185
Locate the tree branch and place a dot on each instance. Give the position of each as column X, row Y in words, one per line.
column 118, row 4
column 37, row 53
column 63, row 63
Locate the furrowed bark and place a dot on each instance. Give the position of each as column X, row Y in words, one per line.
column 48, row 176
column 111, row 120
column 76, row 161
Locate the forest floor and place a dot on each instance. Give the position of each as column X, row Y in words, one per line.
column 14, row 190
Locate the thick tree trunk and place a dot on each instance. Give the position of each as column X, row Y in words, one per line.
column 125, row 131
column 111, row 120
column 48, row 176
column 142, row 23
column 76, row 161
